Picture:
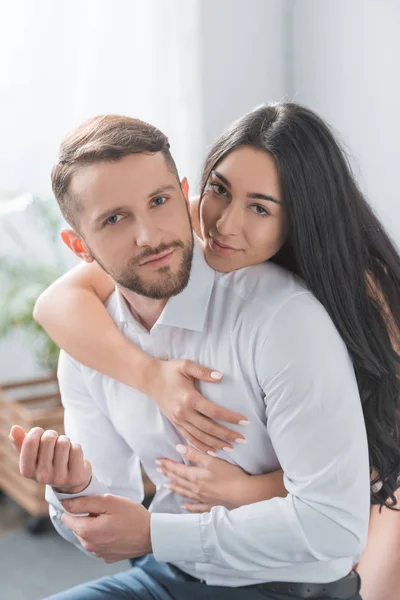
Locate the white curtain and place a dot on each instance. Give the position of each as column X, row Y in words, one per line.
column 62, row 61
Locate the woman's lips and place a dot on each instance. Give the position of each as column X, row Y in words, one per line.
column 221, row 249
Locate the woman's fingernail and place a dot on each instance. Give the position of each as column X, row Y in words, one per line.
column 158, row 462
column 159, row 470
column 167, row 485
column 241, row 441
column 227, row 449
column 216, row 375
column 243, row 422
column 181, row 449
column 211, row 453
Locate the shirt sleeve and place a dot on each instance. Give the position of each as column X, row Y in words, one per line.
column 316, row 425
column 116, row 469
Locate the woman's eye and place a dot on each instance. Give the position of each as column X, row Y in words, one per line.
column 159, row 201
column 218, row 189
column 113, row 219
column 259, row 210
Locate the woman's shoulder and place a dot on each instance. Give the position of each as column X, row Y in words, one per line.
column 194, row 204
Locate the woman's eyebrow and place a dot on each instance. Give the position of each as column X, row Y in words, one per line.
column 254, row 196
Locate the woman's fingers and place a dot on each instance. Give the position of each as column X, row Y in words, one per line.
column 178, row 470
column 221, row 433
column 196, row 507
column 195, row 441
column 181, row 491
column 218, row 413
column 211, row 441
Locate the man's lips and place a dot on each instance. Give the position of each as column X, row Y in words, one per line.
column 158, row 259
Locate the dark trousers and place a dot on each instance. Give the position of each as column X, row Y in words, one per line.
column 151, row 580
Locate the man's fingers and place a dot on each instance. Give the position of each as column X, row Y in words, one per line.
column 61, row 460
column 218, row 413
column 29, row 452
column 94, row 505
column 199, row 372
column 44, row 466
column 17, row 436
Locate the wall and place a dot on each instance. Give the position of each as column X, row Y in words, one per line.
column 345, row 65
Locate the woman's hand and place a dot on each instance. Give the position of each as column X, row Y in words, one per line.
column 170, row 383
column 213, row 482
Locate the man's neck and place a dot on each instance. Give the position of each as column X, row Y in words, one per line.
column 146, row 310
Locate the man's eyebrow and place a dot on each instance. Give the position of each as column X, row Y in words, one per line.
column 163, row 188
column 109, row 212
column 254, row 195
column 113, row 211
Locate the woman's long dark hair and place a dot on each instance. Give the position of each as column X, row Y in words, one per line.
column 340, row 249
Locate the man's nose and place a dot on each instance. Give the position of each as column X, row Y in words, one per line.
column 147, row 234
column 230, row 221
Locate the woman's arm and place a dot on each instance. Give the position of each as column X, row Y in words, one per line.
column 379, row 566
column 71, row 311
column 216, row 482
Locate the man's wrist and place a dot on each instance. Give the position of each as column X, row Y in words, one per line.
column 72, row 490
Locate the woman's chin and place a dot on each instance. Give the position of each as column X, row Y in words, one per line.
column 220, row 263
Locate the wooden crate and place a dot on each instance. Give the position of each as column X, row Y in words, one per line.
column 34, row 403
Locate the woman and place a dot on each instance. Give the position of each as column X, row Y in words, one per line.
column 276, row 186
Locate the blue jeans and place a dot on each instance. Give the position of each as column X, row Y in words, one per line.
column 151, row 580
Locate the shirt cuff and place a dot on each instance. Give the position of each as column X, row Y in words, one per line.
column 95, row 488
column 184, row 530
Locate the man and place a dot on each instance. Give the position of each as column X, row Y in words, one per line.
column 283, row 363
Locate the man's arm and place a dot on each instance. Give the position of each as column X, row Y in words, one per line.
column 317, row 429
column 116, row 469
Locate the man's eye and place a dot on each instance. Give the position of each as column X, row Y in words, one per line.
column 159, row 201
column 113, row 219
column 218, row 189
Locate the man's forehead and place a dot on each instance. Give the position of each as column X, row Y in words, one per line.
column 140, row 171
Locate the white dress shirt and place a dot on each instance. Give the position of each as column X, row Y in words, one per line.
column 288, row 371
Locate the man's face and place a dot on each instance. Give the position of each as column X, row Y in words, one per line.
column 134, row 221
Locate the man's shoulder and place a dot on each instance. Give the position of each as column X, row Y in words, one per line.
column 266, row 283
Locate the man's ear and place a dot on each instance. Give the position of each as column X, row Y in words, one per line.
column 185, row 189
column 75, row 243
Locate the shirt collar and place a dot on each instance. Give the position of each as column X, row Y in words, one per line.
column 188, row 309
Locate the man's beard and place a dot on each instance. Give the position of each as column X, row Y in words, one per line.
column 168, row 283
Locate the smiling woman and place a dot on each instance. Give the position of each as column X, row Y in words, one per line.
column 243, row 220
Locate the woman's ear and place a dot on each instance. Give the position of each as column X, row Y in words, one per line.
column 185, row 189
column 75, row 243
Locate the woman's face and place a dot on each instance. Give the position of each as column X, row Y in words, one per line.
column 241, row 215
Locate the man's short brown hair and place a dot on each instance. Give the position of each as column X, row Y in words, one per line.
column 102, row 138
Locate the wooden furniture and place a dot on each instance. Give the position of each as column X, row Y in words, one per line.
column 34, row 403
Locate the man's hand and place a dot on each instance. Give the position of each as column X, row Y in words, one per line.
column 116, row 529
column 53, row 459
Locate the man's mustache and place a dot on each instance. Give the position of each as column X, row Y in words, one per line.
column 149, row 252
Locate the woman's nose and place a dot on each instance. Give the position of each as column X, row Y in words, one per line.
column 230, row 222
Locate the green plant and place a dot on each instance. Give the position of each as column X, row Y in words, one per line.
column 23, row 278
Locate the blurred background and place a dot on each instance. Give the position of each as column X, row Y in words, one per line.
column 189, row 67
